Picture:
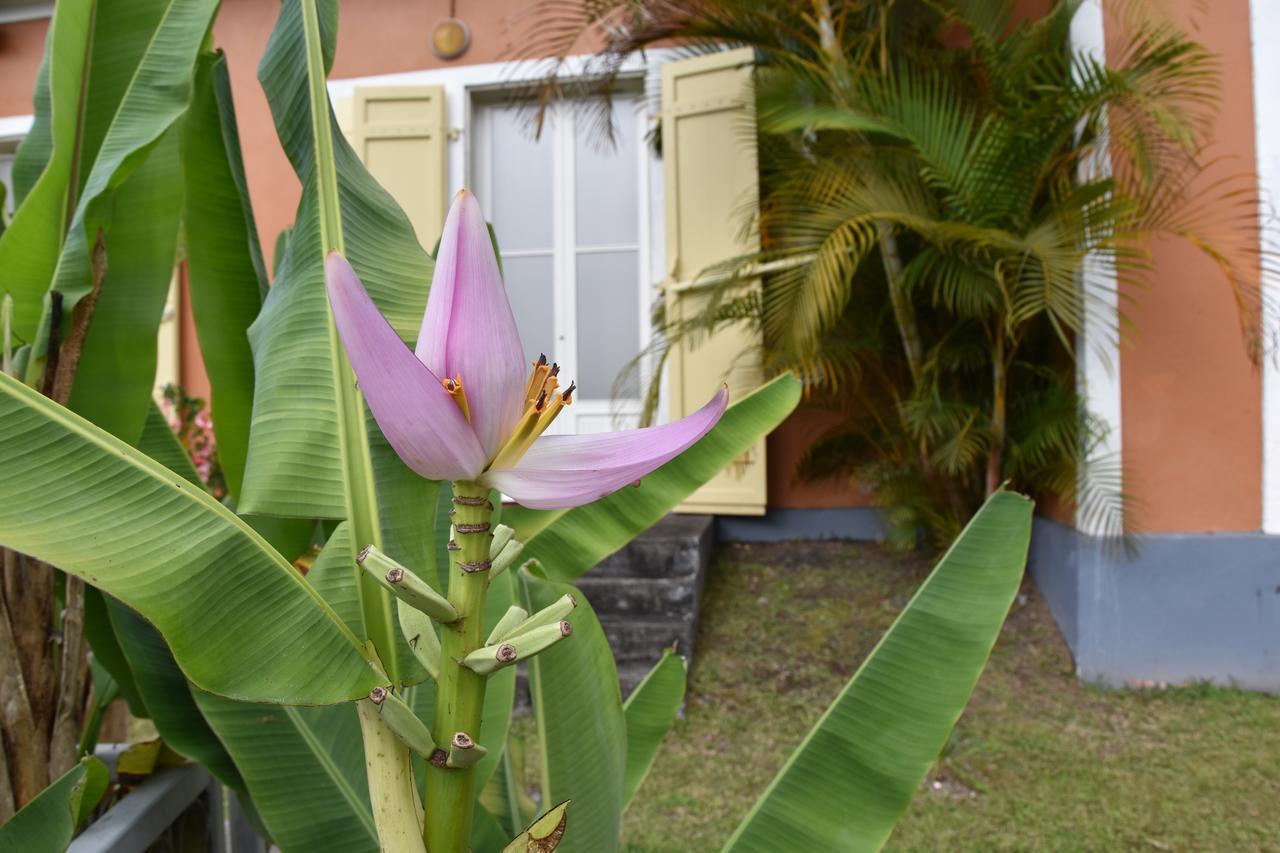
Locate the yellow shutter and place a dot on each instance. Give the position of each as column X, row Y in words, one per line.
column 399, row 132
column 709, row 162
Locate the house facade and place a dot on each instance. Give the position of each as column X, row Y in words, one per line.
column 593, row 237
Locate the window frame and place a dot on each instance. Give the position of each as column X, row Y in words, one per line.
column 595, row 409
column 468, row 87
column 13, row 129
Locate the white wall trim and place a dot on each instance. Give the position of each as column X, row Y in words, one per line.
column 1264, row 35
column 15, row 127
column 1098, row 347
column 460, row 82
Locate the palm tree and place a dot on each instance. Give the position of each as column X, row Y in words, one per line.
column 935, row 174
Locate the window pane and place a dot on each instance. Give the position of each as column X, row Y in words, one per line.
column 529, row 289
column 608, row 321
column 521, row 175
column 607, row 180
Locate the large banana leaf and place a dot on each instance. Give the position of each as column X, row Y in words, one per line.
column 163, row 692
column 227, row 279
column 240, row 619
column 851, row 779
column 31, row 244
column 295, row 466
column 47, row 823
column 311, row 452
column 305, row 770
column 169, row 703
column 650, row 711
column 117, row 370
column 120, row 77
column 274, row 748
column 37, row 146
column 107, row 653
column 581, row 728
column 569, row 542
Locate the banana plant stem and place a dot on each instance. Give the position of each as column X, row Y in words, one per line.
column 450, row 795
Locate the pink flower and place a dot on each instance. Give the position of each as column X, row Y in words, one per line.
column 462, row 407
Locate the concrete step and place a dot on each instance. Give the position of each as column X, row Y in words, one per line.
column 647, row 598
column 642, row 641
column 678, row 546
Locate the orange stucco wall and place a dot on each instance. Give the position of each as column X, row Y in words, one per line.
column 784, row 448
column 21, row 47
column 1191, row 398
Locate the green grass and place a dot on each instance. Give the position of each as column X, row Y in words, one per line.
column 1038, row 762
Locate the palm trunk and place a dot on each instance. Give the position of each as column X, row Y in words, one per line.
column 44, row 664
column 904, row 314
column 999, row 391
column 26, row 750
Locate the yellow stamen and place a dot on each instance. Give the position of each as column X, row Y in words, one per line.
column 537, row 378
column 459, row 394
column 539, row 414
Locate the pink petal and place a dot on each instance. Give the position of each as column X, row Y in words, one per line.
column 562, row 471
column 416, row 414
column 468, row 328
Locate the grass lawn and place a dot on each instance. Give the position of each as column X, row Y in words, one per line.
column 1038, row 762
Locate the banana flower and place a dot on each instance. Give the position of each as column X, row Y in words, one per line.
column 464, row 406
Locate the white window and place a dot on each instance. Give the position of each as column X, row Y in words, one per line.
column 571, row 216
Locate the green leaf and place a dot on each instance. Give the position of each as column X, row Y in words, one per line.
column 274, row 748
column 107, row 652
column 304, row 768
column 240, row 619
column 581, row 728
column 37, row 146
column 487, row 835
column 31, row 244
column 306, row 405
column 48, row 823
column 117, row 371
column 168, row 696
column 851, row 779
column 138, row 85
column 650, row 712
column 296, row 406
column 505, row 796
column 105, row 691
column 227, row 279
column 332, row 575
column 569, row 542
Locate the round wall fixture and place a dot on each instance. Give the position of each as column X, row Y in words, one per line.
column 450, row 38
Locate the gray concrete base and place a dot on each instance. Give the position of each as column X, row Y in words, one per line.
column 1186, row 608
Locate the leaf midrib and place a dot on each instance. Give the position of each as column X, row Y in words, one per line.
column 78, row 426
column 331, row 770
